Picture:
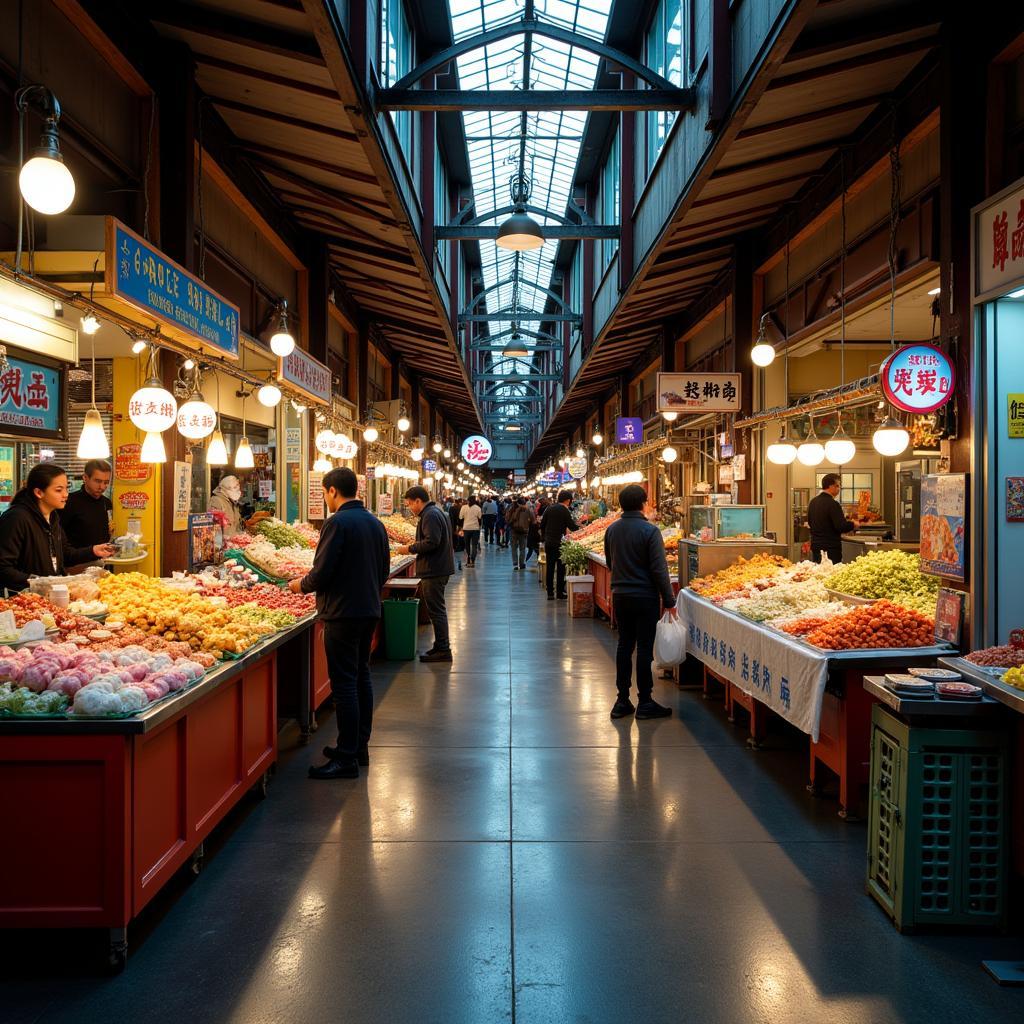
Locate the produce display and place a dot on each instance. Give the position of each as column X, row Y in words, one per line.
column 307, row 531
column 895, row 575
column 269, row 596
column 756, row 571
column 780, row 601
column 285, row 563
column 146, row 603
column 20, row 700
column 281, row 535
column 399, row 529
column 880, row 625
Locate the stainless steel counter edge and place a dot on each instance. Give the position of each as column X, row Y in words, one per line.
column 996, row 688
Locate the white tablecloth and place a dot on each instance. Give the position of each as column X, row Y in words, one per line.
column 787, row 676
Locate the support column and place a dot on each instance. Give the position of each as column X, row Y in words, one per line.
column 668, row 349
column 627, row 186
column 319, row 282
column 178, row 156
column 428, row 144
column 742, row 334
column 719, row 63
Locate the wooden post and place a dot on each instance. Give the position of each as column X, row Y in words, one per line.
column 627, row 187
column 742, row 338
column 177, row 109
column 719, row 63
column 318, row 280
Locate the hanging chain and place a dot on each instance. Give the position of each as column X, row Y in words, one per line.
column 842, row 276
column 894, row 220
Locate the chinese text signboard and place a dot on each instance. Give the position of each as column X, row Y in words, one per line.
column 385, row 505
column 142, row 276
column 182, row 495
column 629, row 430
column 688, row 393
column 315, row 496
column 128, row 466
column 1015, row 415
column 577, row 467
column 31, row 399
column 476, row 450
column 944, row 525
column 999, row 242
column 918, row 378
column 308, row 375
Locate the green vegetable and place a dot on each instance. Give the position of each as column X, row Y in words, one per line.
column 574, row 556
column 281, row 535
column 890, row 574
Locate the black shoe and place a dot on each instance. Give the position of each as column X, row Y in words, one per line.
column 436, row 656
column 563, row 597
column 334, row 770
column 551, row 597
column 516, row 568
column 623, row 707
column 362, row 757
column 652, row 709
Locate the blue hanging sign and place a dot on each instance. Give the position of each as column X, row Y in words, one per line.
column 31, row 399
column 179, row 302
column 629, row 430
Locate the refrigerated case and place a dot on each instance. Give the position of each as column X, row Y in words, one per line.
column 698, row 558
column 727, row 522
column 908, row 501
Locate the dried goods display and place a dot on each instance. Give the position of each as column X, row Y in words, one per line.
column 283, row 536
column 1014, row 677
column 779, row 601
column 1003, row 656
column 756, row 571
column 880, row 625
column 286, row 563
column 399, row 529
column 895, row 575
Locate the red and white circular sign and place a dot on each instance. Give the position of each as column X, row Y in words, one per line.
column 918, row 378
column 477, row 450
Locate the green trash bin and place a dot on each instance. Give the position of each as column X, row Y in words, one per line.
column 401, row 620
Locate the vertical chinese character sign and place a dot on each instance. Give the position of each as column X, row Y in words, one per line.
column 629, row 430
column 918, row 378
column 477, row 450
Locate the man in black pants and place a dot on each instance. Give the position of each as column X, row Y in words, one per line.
column 640, row 586
column 349, row 571
column 435, row 562
column 827, row 521
column 557, row 522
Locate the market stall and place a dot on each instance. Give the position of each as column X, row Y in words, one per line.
column 796, row 640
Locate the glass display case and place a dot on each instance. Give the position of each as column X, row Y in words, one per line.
column 727, row 522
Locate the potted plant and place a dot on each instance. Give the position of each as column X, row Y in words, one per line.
column 575, row 557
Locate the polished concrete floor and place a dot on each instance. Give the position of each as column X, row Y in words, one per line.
column 512, row 854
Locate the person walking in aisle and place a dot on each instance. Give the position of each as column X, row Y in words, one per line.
column 349, row 571
column 435, row 563
column 458, row 541
column 520, row 523
column 500, row 524
column 490, row 511
column 557, row 522
column 470, row 518
column 640, row 586
column 533, row 536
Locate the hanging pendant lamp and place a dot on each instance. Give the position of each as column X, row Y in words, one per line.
column 840, row 449
column 811, row 452
column 92, row 442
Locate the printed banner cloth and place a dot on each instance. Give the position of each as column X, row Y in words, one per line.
column 785, row 675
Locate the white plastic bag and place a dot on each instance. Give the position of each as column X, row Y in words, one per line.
column 669, row 642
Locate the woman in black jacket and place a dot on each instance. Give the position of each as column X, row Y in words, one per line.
column 31, row 540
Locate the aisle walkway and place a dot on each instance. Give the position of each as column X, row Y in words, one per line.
column 513, row 855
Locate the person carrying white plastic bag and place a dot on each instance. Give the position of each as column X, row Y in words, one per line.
column 641, row 586
column 669, row 641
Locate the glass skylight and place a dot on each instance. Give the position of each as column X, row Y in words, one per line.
column 553, row 136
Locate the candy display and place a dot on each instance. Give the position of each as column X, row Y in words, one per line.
column 880, row 625
column 1014, row 677
column 399, row 529
column 285, row 563
column 267, row 595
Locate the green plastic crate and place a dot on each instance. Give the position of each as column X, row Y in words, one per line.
column 401, row 621
column 938, row 848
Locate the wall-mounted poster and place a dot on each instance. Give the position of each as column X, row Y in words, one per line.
column 1015, row 499
column 949, row 615
column 203, row 534
column 944, row 525
column 182, row 495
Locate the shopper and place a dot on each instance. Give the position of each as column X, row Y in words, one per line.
column 827, row 521
column 490, row 511
column 434, row 565
column 533, row 536
column 519, row 524
column 557, row 522
column 500, row 525
column 88, row 516
column 469, row 520
column 226, row 499
column 32, row 542
column 458, row 541
column 640, row 586
column 350, row 568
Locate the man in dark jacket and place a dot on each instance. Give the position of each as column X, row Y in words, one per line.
column 557, row 522
column 351, row 566
column 87, row 517
column 520, row 521
column 827, row 521
column 640, row 586
column 435, row 563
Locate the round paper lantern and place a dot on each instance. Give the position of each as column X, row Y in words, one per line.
column 196, row 418
column 152, row 408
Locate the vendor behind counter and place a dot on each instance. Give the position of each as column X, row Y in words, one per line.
column 87, row 517
column 827, row 521
column 32, row 542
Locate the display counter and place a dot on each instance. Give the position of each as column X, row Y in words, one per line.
column 854, row 546
column 700, row 558
column 820, row 692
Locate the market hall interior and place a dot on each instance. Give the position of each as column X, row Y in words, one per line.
column 512, row 854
